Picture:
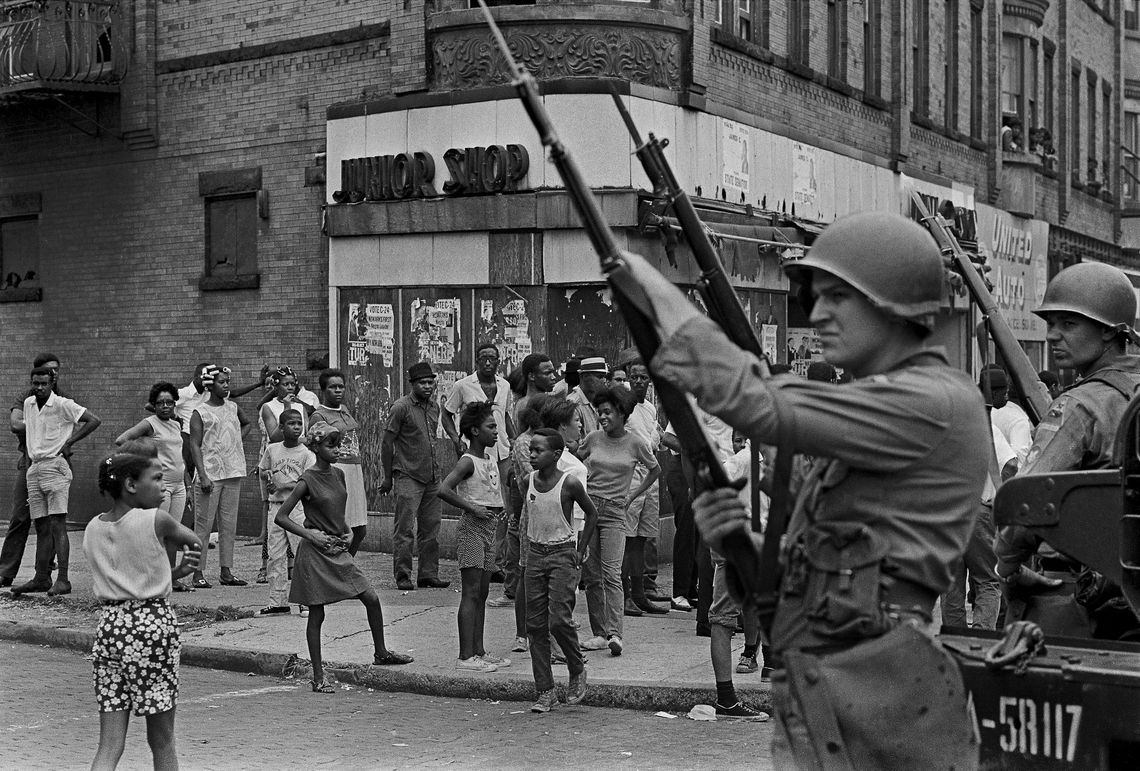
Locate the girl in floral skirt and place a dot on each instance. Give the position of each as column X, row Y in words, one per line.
column 132, row 550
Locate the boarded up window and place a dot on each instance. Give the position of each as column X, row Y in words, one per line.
column 231, row 235
column 19, row 253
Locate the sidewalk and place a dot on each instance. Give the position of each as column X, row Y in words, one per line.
column 665, row 666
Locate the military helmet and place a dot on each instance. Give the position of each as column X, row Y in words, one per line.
column 1096, row 291
column 891, row 260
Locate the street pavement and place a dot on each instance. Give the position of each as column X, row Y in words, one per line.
column 664, row 666
column 230, row 720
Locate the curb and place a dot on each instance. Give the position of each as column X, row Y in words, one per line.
column 639, row 696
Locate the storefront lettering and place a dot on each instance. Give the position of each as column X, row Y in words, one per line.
column 472, row 170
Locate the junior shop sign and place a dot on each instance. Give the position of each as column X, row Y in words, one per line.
column 464, row 171
column 1015, row 248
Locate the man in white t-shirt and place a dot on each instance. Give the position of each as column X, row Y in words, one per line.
column 1007, row 416
column 52, row 425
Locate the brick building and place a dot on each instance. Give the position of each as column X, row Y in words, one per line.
column 162, row 178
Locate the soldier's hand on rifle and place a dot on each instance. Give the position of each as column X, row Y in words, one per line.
column 671, row 308
column 719, row 512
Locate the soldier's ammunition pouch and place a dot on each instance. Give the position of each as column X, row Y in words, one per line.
column 835, row 573
column 897, row 701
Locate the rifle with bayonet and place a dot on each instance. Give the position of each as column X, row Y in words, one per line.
column 1026, row 385
column 629, row 296
column 725, row 308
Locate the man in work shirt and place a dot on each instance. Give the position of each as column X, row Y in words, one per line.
column 885, row 512
column 410, row 469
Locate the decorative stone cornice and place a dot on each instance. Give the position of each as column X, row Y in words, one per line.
column 649, row 49
column 1033, row 10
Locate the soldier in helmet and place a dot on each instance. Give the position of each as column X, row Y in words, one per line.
column 1089, row 309
column 885, row 512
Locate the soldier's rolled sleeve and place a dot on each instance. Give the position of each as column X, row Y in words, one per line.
column 881, row 423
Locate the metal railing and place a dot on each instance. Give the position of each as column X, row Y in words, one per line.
column 61, row 42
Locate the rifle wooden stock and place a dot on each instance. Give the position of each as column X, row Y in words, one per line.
column 1026, row 385
column 630, row 298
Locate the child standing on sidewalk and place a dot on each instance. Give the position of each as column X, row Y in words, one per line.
column 473, row 487
column 324, row 570
column 131, row 552
column 553, row 566
column 281, row 467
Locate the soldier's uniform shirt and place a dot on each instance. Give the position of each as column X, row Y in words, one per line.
column 898, row 451
column 1078, row 432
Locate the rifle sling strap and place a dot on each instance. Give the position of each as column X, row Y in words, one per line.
column 768, row 580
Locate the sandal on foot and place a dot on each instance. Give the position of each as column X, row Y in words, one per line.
column 389, row 658
column 322, row 686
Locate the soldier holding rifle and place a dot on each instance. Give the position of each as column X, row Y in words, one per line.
column 1089, row 309
column 885, row 513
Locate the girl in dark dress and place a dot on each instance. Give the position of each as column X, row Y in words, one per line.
column 323, row 570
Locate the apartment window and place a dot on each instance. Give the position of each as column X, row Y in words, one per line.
column 748, row 19
column 1075, row 126
column 977, row 108
column 231, row 235
column 799, row 31
column 1031, row 89
column 1132, row 14
column 921, row 54
column 1047, row 91
column 1106, row 120
column 1012, row 70
column 1131, row 143
column 19, row 253
column 837, row 39
column 872, row 47
column 950, row 118
column 1093, row 161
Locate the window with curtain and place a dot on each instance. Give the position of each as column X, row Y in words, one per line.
column 920, row 68
column 1012, row 70
column 872, row 47
column 977, row 107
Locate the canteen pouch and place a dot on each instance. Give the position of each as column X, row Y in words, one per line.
column 895, row 702
column 837, row 569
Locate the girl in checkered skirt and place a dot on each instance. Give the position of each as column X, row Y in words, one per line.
column 131, row 550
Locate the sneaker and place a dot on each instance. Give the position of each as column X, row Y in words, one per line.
column 546, row 702
column 501, row 602
column 747, row 665
column 615, row 645
column 595, row 643
column 577, row 689
column 741, row 711
column 274, row 610
column 475, row 664
column 522, row 645
column 304, row 611
column 261, row 579
column 680, row 603
column 498, row 661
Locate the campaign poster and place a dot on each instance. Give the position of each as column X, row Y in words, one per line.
column 735, row 161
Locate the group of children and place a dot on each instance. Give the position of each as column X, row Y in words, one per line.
column 137, row 551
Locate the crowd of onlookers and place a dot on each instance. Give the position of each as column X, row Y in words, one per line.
column 558, row 483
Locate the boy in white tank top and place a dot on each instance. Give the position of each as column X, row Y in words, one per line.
column 553, row 567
